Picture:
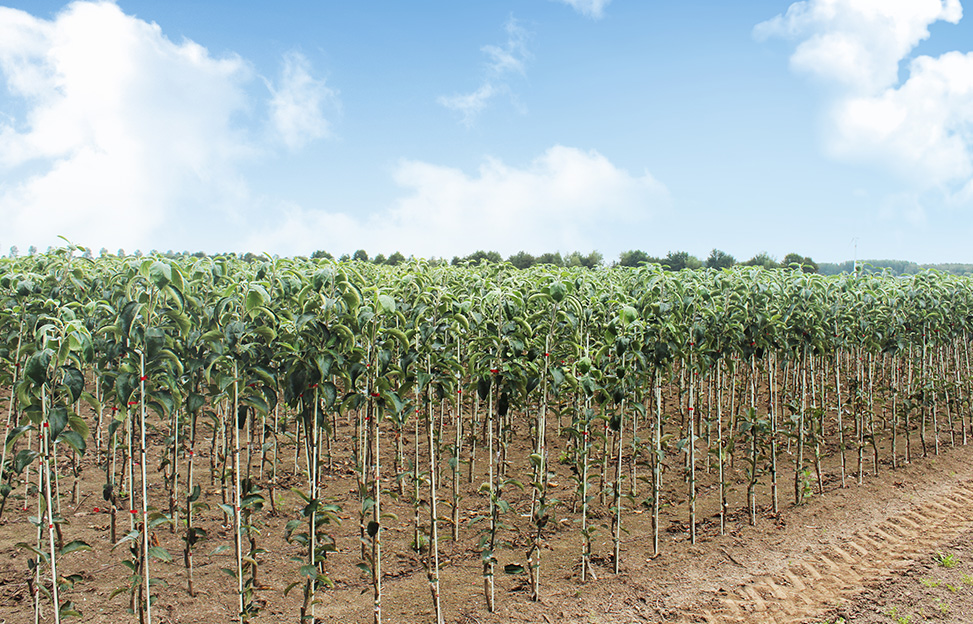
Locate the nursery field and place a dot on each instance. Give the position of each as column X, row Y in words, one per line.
column 294, row 440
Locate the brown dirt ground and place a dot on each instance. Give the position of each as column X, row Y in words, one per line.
column 936, row 588
column 863, row 552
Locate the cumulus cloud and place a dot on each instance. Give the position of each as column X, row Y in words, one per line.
column 917, row 127
column 565, row 198
column 298, row 103
column 594, row 9
column 503, row 62
column 114, row 132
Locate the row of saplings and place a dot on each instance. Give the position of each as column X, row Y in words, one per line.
column 739, row 414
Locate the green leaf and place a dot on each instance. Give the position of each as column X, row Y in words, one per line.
column 160, row 553
column 290, row 587
column 74, row 381
column 628, row 315
column 57, row 419
column 155, row 342
column 36, row 368
column 160, row 274
column 386, row 303
column 513, row 568
column 256, row 297
column 74, row 440
column 67, row 610
column 74, row 546
column 16, row 432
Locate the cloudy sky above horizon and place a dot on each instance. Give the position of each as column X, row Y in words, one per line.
column 435, row 128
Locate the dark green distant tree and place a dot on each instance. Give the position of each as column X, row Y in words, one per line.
column 322, row 254
column 762, row 259
column 592, row 260
column 361, row 254
column 13, row 251
column 634, row 258
column 522, row 260
column 395, row 259
column 807, row 265
column 679, row 260
column 551, row 258
column 479, row 257
column 719, row 259
column 379, row 259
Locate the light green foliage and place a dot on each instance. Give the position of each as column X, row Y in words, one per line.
column 945, row 560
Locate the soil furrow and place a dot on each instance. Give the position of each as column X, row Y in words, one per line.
column 831, row 573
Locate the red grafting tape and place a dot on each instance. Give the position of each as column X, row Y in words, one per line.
column 132, row 403
column 143, row 378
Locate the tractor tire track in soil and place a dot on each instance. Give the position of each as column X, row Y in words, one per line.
column 828, row 575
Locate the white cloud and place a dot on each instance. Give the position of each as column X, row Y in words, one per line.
column 564, row 199
column 858, row 43
column 594, row 9
column 297, row 106
column 470, row 105
column 505, row 60
column 125, row 134
column 919, row 127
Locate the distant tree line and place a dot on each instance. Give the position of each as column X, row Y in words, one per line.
column 673, row 261
column 718, row 259
column 894, row 267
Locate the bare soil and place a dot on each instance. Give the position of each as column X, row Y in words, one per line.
column 865, row 553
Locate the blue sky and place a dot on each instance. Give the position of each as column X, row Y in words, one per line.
column 437, row 128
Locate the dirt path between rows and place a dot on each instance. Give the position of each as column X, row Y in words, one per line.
column 829, row 574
